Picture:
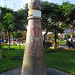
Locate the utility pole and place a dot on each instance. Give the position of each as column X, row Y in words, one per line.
column 33, row 61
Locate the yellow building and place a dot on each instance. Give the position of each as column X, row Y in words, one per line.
column 5, row 36
column 24, row 35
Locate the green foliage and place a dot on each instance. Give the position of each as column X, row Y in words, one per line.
column 9, row 17
column 74, row 35
column 13, row 20
column 60, row 30
column 68, row 11
column 50, row 14
column 21, row 19
column 18, row 35
column 1, row 27
column 67, row 36
column 8, row 22
column 3, row 14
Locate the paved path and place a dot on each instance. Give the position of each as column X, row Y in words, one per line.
column 50, row 71
column 63, row 46
column 66, row 47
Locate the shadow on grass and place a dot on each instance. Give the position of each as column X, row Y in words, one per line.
column 50, row 51
column 7, row 49
column 10, row 49
column 15, row 58
column 47, row 45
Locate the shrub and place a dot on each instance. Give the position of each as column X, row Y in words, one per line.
column 67, row 36
column 74, row 35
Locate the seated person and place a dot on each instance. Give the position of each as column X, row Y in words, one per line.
column 70, row 44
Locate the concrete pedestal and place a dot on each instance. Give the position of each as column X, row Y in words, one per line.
column 50, row 71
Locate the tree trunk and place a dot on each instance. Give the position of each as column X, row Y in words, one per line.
column 45, row 36
column 5, row 37
column 0, row 51
column 9, row 40
column 45, row 33
column 2, row 38
column 55, row 35
column 19, row 49
column 71, row 36
column 13, row 38
column 19, row 46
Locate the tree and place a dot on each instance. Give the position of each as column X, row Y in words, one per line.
column 21, row 18
column 8, row 25
column 51, row 15
column 68, row 12
column 68, row 17
column 18, row 35
column 3, row 14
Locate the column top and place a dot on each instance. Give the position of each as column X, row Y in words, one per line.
column 34, row 5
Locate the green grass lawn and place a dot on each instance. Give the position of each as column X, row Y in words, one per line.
column 58, row 59
column 62, row 60
column 7, row 63
column 61, row 42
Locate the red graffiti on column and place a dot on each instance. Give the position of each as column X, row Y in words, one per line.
column 37, row 47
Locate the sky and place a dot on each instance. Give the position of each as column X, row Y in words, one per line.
column 18, row 4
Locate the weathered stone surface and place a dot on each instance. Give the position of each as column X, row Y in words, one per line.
column 33, row 61
column 34, row 4
column 50, row 71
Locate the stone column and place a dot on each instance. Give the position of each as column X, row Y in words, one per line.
column 33, row 61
